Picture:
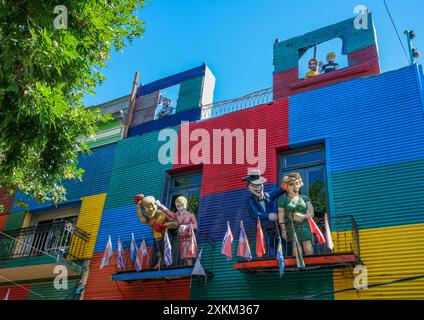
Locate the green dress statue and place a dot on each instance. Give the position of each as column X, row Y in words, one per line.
column 302, row 228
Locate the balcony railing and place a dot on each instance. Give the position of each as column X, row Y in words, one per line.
column 346, row 250
column 220, row 108
column 58, row 239
column 205, row 244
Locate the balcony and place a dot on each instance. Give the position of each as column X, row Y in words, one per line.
column 34, row 252
column 346, row 251
column 178, row 270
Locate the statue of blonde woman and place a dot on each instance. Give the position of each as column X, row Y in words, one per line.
column 158, row 221
column 187, row 224
column 292, row 216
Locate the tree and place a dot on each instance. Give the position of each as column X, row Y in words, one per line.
column 44, row 73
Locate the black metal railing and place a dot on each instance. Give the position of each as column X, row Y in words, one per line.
column 205, row 244
column 345, row 240
column 250, row 100
column 57, row 239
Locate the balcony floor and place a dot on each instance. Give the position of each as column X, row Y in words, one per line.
column 164, row 274
column 311, row 262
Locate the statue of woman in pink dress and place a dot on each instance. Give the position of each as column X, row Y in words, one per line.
column 187, row 224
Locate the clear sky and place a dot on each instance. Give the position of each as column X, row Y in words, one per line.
column 235, row 39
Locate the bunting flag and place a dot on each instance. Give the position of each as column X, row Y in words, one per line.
column 328, row 236
column 192, row 252
column 198, row 269
column 243, row 249
column 260, row 241
column 280, row 257
column 121, row 264
column 134, row 254
column 314, row 229
column 297, row 250
column 168, row 249
column 6, row 297
column 227, row 249
column 141, row 253
column 106, row 254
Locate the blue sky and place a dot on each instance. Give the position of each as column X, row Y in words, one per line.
column 235, row 38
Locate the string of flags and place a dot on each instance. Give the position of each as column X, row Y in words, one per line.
column 244, row 248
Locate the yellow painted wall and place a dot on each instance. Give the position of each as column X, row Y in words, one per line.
column 89, row 219
column 389, row 253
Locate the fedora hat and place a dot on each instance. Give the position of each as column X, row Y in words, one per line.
column 255, row 177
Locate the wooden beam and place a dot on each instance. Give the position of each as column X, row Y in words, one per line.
column 130, row 110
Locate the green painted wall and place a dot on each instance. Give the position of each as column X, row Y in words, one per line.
column 136, row 169
column 190, row 94
column 229, row 283
column 14, row 221
column 381, row 196
column 48, row 291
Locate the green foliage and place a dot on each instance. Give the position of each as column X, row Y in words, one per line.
column 193, row 204
column 44, row 74
column 318, row 196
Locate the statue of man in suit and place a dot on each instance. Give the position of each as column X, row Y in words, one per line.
column 264, row 205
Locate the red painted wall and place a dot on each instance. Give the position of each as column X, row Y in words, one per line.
column 101, row 287
column 16, row 292
column 285, row 80
column 223, row 177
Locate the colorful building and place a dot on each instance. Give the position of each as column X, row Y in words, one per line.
column 356, row 136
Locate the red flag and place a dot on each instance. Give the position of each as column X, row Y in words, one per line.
column 314, row 229
column 227, row 249
column 243, row 249
column 260, row 241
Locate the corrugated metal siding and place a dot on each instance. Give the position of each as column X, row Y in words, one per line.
column 370, row 121
column 171, row 80
column 170, row 121
column 14, row 221
column 107, row 133
column 286, row 54
column 145, row 108
column 101, row 287
column 16, row 292
column 190, row 94
column 394, row 196
column 389, row 254
column 47, row 291
column 98, row 167
column 136, row 169
column 120, row 222
column 229, row 283
column 224, row 177
column 89, row 219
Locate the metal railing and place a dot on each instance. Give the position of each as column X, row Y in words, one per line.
column 345, row 240
column 59, row 239
column 205, row 244
column 220, row 108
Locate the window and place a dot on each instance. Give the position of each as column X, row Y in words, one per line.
column 187, row 185
column 322, row 50
column 310, row 163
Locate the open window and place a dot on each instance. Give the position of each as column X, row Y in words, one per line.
column 319, row 52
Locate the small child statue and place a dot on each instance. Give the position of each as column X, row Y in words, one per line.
column 331, row 64
column 313, row 66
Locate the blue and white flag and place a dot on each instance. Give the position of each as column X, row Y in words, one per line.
column 198, row 268
column 134, row 253
column 168, row 250
column 107, row 254
column 121, row 264
column 280, row 257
